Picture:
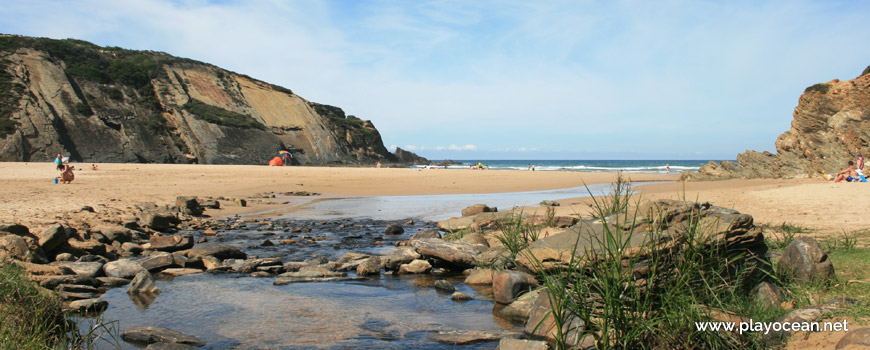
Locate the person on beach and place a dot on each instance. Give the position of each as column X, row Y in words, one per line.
column 67, row 175
column 533, row 167
column 59, row 162
column 668, row 167
column 859, row 162
column 849, row 174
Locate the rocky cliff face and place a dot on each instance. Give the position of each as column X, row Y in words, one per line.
column 113, row 105
column 831, row 123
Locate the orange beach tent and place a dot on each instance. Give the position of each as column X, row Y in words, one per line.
column 276, row 161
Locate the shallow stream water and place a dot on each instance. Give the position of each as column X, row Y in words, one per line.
column 383, row 312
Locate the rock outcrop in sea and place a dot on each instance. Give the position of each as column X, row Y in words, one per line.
column 107, row 104
column 831, row 123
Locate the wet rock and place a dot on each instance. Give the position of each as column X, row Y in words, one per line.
column 427, row 233
column 459, row 296
column 462, row 337
column 88, row 269
column 209, row 232
column 180, row 271
column 507, row 285
column 157, row 262
column 457, row 254
column 171, row 243
column 52, row 237
column 520, row 309
column 415, row 267
column 211, row 263
column 168, row 346
column 398, row 257
column 123, row 268
column 312, row 272
column 444, row 286
column 855, row 339
column 89, row 305
column 369, row 266
column 287, row 280
column 113, row 282
column 217, row 250
column 805, row 260
column 146, row 335
column 522, row 344
column 393, row 229
column 767, row 294
column 143, row 283
column 477, row 209
column 267, row 243
column 351, row 256
column 188, row 205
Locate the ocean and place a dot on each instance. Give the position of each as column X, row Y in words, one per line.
column 628, row 166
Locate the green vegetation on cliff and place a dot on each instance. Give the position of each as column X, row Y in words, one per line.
column 823, row 88
column 220, row 116
column 341, row 122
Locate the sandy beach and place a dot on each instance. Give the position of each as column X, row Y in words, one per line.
column 29, row 195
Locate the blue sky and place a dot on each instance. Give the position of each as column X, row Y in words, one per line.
column 509, row 79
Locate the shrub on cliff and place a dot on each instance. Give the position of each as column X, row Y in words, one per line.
column 821, row 87
column 220, row 116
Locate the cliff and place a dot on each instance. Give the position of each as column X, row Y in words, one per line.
column 107, row 104
column 831, row 123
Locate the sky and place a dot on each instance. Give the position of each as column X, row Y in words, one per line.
column 506, row 79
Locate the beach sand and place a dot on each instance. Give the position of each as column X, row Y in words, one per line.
column 29, row 196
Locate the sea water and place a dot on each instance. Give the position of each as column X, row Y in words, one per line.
column 628, row 166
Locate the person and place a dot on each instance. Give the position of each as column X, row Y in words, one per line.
column 859, row 162
column 530, row 167
column 59, row 162
column 285, row 158
column 94, row 167
column 849, row 174
column 67, row 175
column 533, row 167
column 378, row 165
column 668, row 167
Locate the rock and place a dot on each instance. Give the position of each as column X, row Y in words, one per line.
column 217, row 250
column 113, row 282
column 89, row 305
column 456, row 254
column 157, row 262
column 767, row 294
column 520, row 309
column 142, row 336
column 51, row 282
column 15, row 229
column 240, row 202
column 168, row 346
column 807, row 314
column 393, row 229
column 855, row 339
column 64, row 257
column 481, row 276
column 369, row 266
column 549, row 203
column 444, row 286
column 477, row 209
column 40, row 269
column 131, row 248
column 143, row 283
column 52, row 237
column 210, row 263
column 459, row 296
column 415, row 267
column 507, row 285
column 88, row 269
column 116, row 233
column 475, row 238
column 427, row 233
column 522, row 344
column 805, row 260
column 398, row 257
column 178, row 271
column 211, row 203
column 209, row 232
column 494, row 256
column 351, row 256
column 15, row 247
column 123, row 268
column 541, row 323
column 171, row 243
column 159, row 220
column 188, row 205
column 462, row 337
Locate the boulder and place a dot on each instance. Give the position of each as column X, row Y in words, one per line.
column 89, row 305
column 494, row 256
column 507, row 285
column 427, row 233
column 542, row 325
column 522, row 344
column 855, row 339
column 399, row 256
column 88, row 269
column 161, row 261
column 143, row 283
column 188, row 205
column 519, row 309
column 116, row 233
column 415, row 267
column 481, row 276
column 217, row 250
column 51, row 282
column 477, row 209
column 444, row 286
column 113, row 282
column 123, row 268
column 462, row 337
column 15, row 247
column 475, row 238
column 158, row 220
column 767, row 294
column 171, row 243
column 369, row 266
column 142, row 336
column 180, row 271
column 52, row 237
column 393, row 229
column 459, row 296
column 805, row 260
column 211, row 203
column 211, row 263
column 455, row 254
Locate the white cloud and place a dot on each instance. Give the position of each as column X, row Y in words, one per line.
column 454, row 147
column 410, row 147
column 440, row 148
column 469, row 147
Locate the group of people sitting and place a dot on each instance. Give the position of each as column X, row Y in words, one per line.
column 854, row 173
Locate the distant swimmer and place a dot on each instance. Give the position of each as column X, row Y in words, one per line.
column 668, row 167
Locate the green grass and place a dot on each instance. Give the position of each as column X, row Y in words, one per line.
column 515, row 234
column 779, row 236
column 30, row 317
column 220, row 116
